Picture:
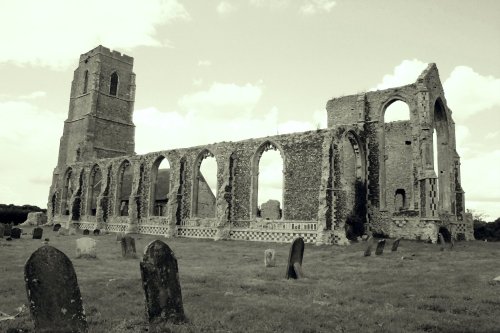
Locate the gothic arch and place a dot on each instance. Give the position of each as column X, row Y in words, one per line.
column 195, row 202
column 94, row 189
column 67, row 191
column 254, row 197
column 153, row 189
column 123, row 188
column 114, row 81
column 440, row 122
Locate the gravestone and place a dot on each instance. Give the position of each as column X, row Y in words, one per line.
column 269, row 258
column 2, row 229
column 86, row 232
column 270, row 210
column 86, row 248
column 160, row 280
column 97, row 232
column 119, row 236
column 441, row 241
column 294, row 267
column 380, row 247
column 62, row 232
column 128, row 247
column 8, row 229
column 56, row 227
column 368, row 251
column 53, row 292
column 395, row 245
column 15, row 233
column 72, row 231
column 37, row 233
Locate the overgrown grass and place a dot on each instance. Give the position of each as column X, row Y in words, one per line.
column 226, row 287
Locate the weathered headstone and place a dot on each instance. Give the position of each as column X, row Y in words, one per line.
column 62, row 232
column 294, row 267
column 160, row 280
column 119, row 236
column 269, row 258
column 86, row 248
column 37, row 233
column 97, row 232
column 71, row 231
column 2, row 229
column 8, row 229
column 270, row 210
column 15, row 233
column 441, row 241
column 395, row 245
column 56, row 227
column 380, row 247
column 53, row 292
column 86, row 232
column 128, row 247
column 368, row 251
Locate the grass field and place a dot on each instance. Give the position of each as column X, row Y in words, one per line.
column 226, row 287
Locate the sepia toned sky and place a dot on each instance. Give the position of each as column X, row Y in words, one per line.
column 210, row 71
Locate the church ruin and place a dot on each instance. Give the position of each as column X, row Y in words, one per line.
column 359, row 174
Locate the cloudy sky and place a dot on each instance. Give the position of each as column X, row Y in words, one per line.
column 212, row 70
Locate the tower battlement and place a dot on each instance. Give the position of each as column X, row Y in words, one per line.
column 102, row 50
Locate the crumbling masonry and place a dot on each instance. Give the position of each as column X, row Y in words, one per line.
column 359, row 174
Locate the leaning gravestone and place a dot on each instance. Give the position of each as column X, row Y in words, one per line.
column 380, row 247
column 15, row 233
column 97, row 232
column 8, row 229
column 294, row 267
column 72, row 231
column 53, row 292
column 37, row 233
column 56, row 227
column 395, row 245
column 269, row 258
column 86, row 248
column 86, row 232
column 368, row 251
column 160, row 280
column 2, row 229
column 441, row 241
column 128, row 247
column 62, row 232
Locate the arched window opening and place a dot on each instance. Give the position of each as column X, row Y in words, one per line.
column 270, row 184
column 113, row 84
column 442, row 156
column 67, row 193
column 85, row 81
column 400, row 199
column 353, row 183
column 161, row 186
column 205, row 186
column 77, row 202
column 54, row 204
column 124, row 188
column 396, row 163
column 397, row 111
column 95, row 189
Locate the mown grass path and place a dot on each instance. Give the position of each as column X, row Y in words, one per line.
column 226, row 287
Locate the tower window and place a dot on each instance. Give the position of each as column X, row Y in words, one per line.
column 85, row 81
column 113, row 84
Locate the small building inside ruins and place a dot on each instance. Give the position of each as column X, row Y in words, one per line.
column 360, row 174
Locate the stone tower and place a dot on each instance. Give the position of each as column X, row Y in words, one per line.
column 99, row 123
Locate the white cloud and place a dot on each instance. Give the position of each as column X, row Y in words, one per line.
column 469, row 93
column 272, row 4
column 50, row 33
column 204, row 63
column 225, row 8
column 27, row 136
column 311, row 7
column 223, row 100
column 405, row 73
column 33, row 95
